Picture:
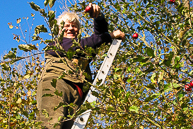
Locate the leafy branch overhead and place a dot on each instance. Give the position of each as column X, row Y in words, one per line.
column 46, row 3
column 149, row 84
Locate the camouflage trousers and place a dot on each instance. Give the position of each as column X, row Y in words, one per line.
column 63, row 94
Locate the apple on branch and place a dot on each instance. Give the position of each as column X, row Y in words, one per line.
column 187, row 87
column 135, row 35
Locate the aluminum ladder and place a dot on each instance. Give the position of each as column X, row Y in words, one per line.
column 81, row 120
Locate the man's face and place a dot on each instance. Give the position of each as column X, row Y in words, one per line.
column 71, row 30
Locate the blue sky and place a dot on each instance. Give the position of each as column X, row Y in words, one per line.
column 10, row 11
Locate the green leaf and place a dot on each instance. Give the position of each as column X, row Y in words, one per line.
column 177, row 59
column 10, row 55
column 175, row 85
column 58, row 106
column 189, row 34
column 110, row 108
column 18, row 117
column 59, row 119
column 167, row 88
column 70, row 53
column 145, row 107
column 49, row 41
column 176, row 62
column 93, row 104
column 51, row 3
column 45, row 113
column 128, row 69
column 55, row 29
column 157, row 23
column 190, row 73
column 167, row 62
column 150, row 52
column 62, row 76
column 34, row 6
column 150, row 86
column 57, row 93
column 134, row 109
column 33, row 93
column 34, row 102
column 95, row 93
column 40, row 28
column 43, row 13
column 153, row 78
column 117, row 69
column 151, row 97
column 46, row 2
column 31, row 115
column 129, row 79
column 53, row 82
column 180, row 94
column 27, row 47
column 51, row 15
column 34, row 38
column 47, row 95
column 137, row 70
column 140, row 59
column 5, row 67
column 25, row 113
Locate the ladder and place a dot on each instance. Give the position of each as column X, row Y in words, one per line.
column 81, row 120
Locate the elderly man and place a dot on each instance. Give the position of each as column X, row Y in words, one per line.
column 71, row 85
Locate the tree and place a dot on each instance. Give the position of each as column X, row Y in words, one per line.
column 19, row 75
column 145, row 86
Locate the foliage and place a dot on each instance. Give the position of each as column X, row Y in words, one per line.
column 145, row 86
column 18, row 93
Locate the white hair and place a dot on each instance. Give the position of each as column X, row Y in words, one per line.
column 69, row 16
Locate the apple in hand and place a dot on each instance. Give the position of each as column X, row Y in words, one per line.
column 172, row 1
column 187, row 87
column 135, row 35
column 87, row 9
column 191, row 84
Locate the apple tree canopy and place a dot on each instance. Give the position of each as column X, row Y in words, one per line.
column 145, row 87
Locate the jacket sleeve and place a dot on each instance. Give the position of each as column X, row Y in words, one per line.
column 100, row 25
column 95, row 40
column 100, row 35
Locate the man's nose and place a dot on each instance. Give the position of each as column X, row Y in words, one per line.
column 70, row 27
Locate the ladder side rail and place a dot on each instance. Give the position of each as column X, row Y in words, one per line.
column 103, row 71
column 81, row 120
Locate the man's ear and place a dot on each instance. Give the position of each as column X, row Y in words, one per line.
column 79, row 32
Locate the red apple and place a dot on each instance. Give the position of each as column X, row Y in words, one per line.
column 172, row 1
column 191, row 84
column 135, row 35
column 187, row 87
column 87, row 9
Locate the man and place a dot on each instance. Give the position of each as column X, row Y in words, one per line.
column 70, row 85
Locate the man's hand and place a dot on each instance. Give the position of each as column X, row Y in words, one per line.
column 117, row 34
column 94, row 10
